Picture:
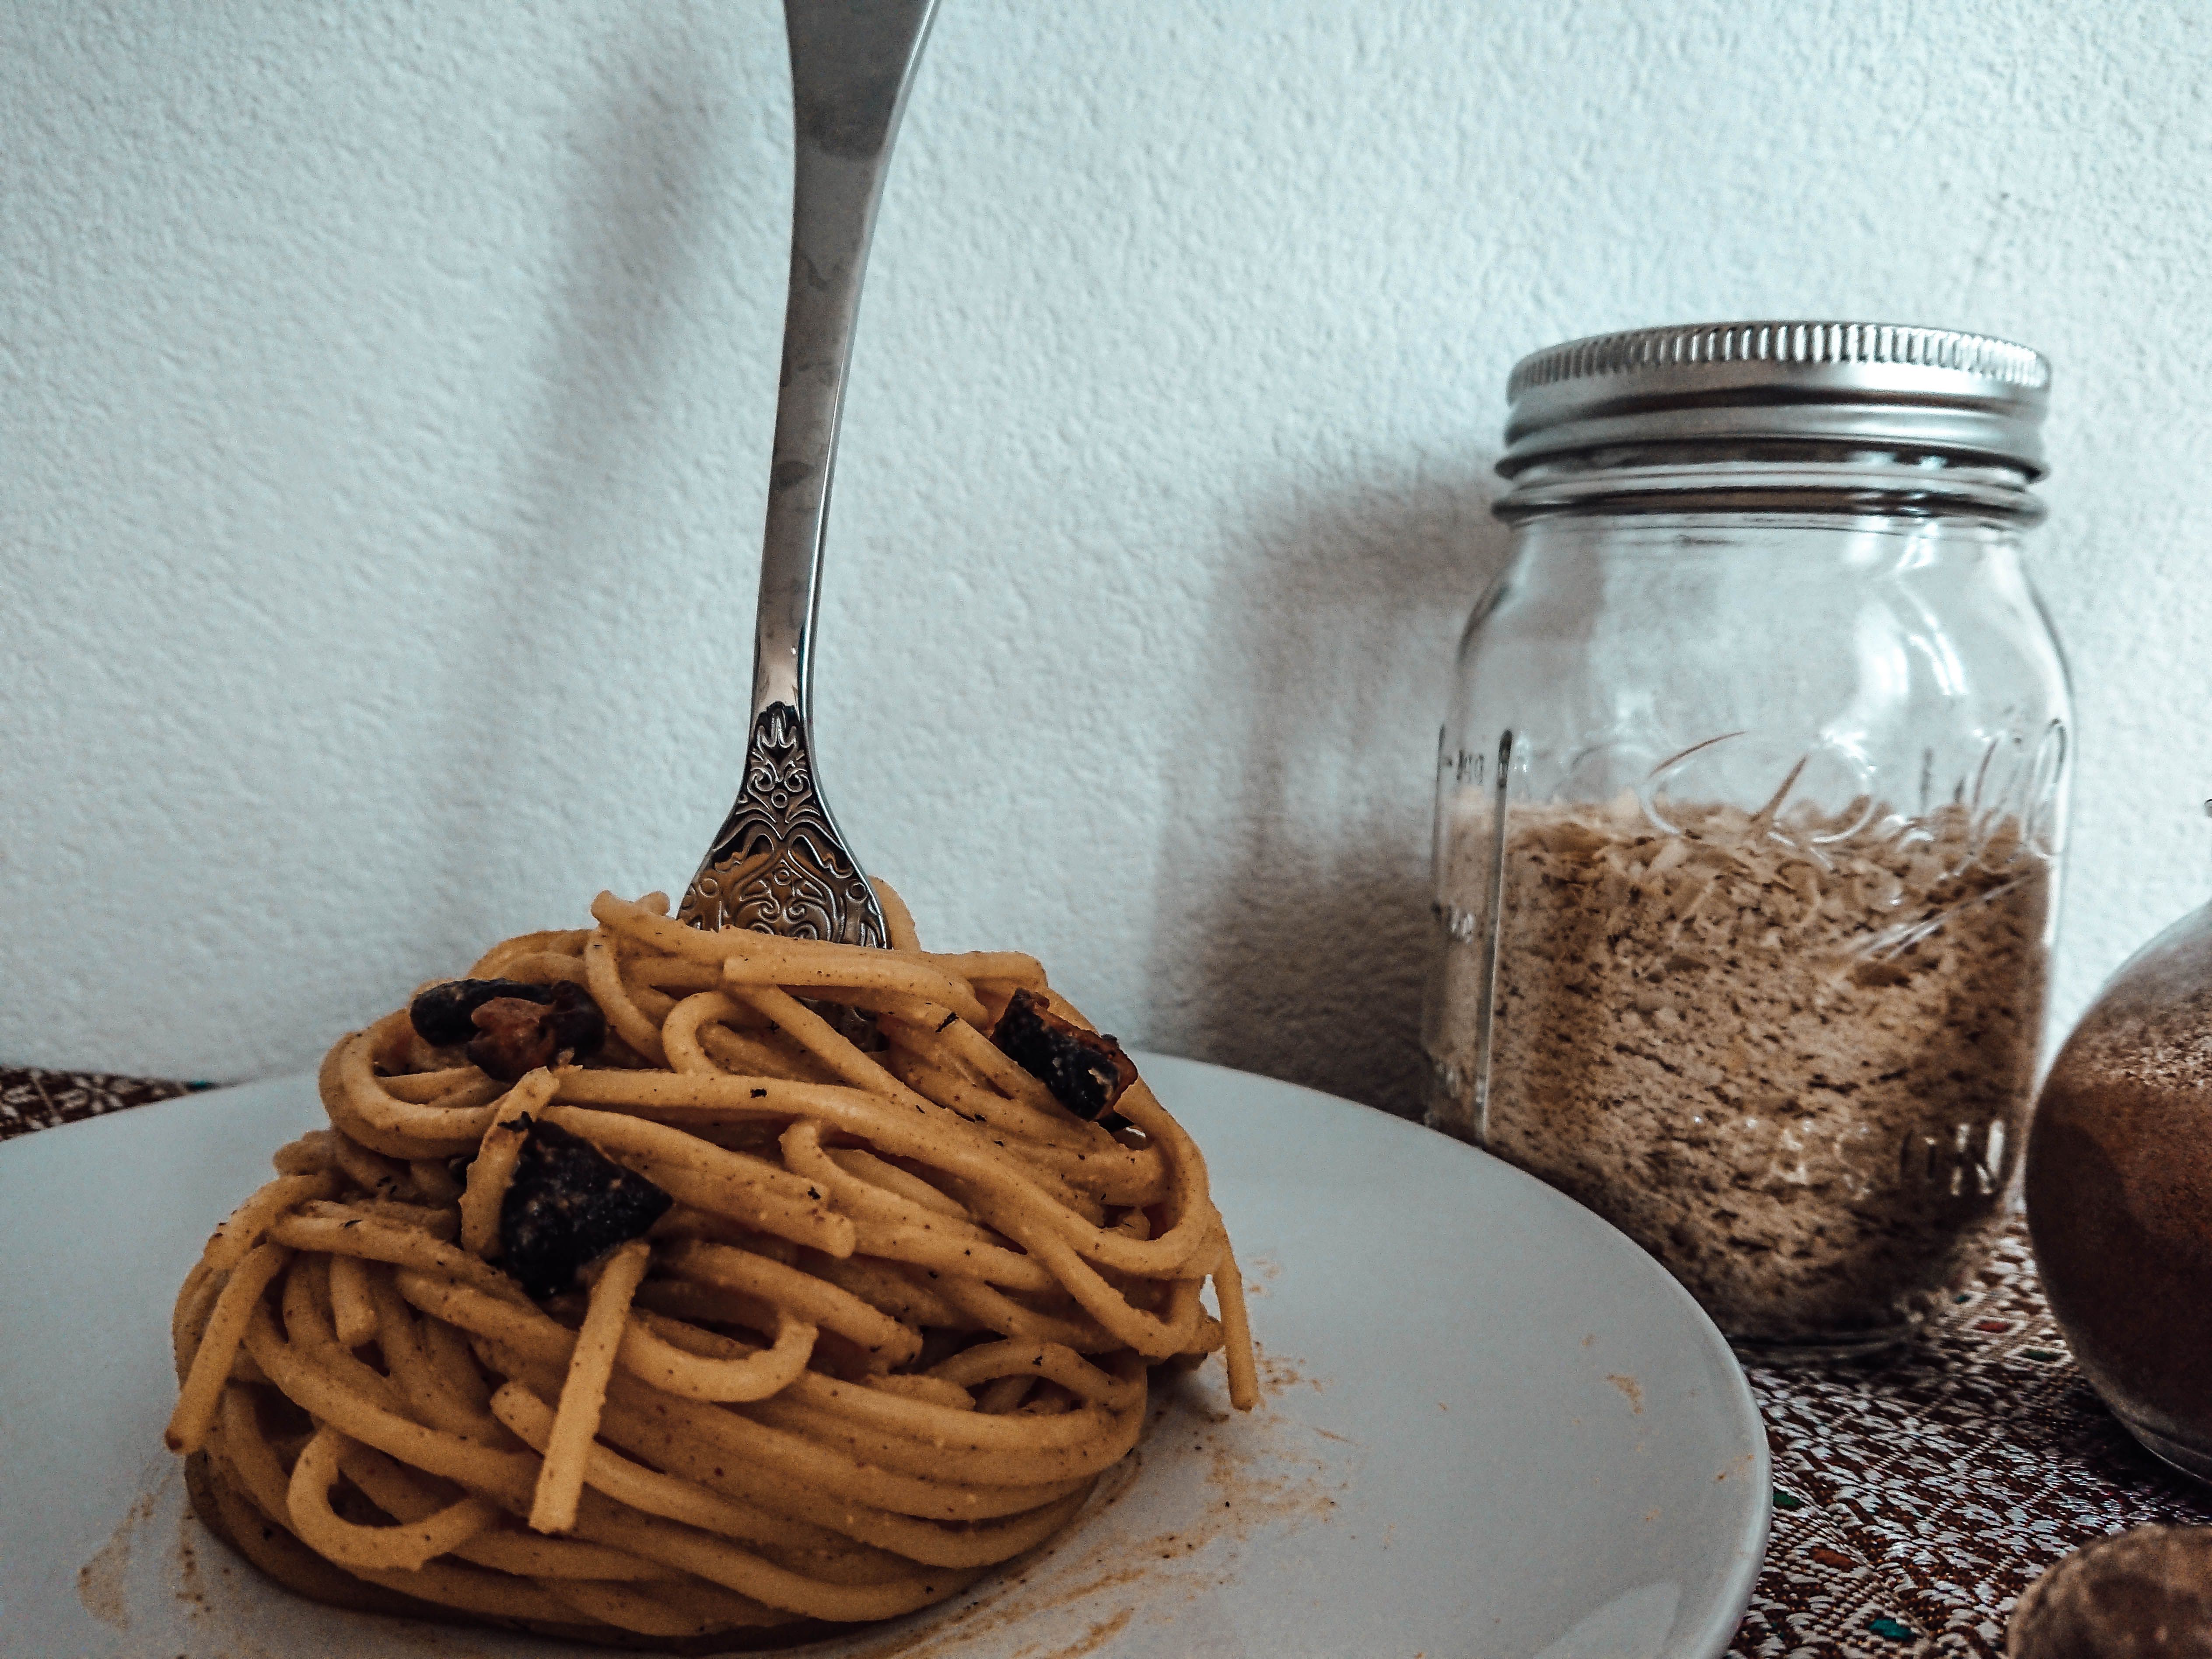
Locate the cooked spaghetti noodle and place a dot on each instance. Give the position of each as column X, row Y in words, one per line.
column 885, row 1317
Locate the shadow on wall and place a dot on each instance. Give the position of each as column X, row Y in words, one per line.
column 1293, row 933
column 649, row 186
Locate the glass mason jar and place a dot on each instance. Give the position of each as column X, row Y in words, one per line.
column 1751, row 796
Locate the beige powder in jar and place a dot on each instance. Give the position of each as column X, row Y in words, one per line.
column 1791, row 1059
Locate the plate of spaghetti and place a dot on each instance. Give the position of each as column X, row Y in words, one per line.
column 652, row 1289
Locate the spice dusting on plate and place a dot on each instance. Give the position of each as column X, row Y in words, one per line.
column 1790, row 1057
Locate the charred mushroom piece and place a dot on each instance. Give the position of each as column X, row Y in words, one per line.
column 567, row 1204
column 2142, row 1593
column 515, row 1036
column 1086, row 1071
column 510, row 1025
column 441, row 1015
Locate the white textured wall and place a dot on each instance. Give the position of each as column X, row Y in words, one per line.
column 388, row 391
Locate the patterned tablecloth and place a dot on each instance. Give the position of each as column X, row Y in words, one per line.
column 1914, row 1499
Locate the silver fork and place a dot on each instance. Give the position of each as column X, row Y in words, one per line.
column 779, row 864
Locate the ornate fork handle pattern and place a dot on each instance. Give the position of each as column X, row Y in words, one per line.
column 779, row 866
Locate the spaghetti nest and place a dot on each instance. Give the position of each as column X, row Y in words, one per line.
column 884, row 1314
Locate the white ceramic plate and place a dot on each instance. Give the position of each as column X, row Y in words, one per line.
column 1493, row 1427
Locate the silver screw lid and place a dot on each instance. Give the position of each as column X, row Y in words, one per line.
column 1877, row 386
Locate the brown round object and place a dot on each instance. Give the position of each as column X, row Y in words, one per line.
column 2141, row 1594
column 2119, row 1193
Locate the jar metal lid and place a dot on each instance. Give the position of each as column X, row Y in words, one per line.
column 1876, row 388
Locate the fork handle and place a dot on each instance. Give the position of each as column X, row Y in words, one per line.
column 778, row 863
column 852, row 65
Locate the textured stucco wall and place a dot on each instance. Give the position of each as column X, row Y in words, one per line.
column 388, row 391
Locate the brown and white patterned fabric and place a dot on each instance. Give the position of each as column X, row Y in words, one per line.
column 33, row 1099
column 1914, row 1499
